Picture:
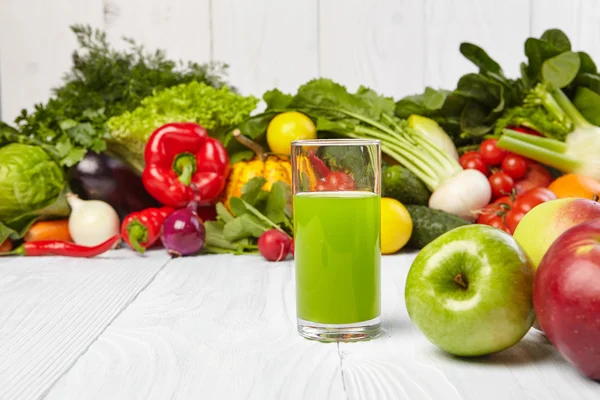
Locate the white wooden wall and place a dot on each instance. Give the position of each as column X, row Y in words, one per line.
column 395, row 46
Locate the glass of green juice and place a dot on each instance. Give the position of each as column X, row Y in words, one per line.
column 336, row 205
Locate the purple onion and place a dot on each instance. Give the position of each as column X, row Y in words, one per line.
column 183, row 232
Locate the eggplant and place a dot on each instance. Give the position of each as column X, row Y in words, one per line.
column 102, row 177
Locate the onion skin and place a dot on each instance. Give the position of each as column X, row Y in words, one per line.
column 183, row 232
column 463, row 194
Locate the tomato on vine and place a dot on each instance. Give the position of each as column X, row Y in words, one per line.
column 501, row 183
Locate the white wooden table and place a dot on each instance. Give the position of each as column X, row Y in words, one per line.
column 223, row 327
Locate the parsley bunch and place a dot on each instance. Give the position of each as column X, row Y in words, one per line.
column 104, row 82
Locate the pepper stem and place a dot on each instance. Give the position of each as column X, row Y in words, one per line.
column 137, row 234
column 249, row 143
column 184, row 166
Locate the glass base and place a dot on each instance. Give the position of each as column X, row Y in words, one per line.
column 360, row 331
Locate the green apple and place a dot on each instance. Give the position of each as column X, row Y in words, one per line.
column 470, row 291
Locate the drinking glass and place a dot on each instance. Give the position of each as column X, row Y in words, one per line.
column 336, row 201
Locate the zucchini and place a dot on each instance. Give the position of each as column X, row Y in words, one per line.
column 399, row 183
column 429, row 224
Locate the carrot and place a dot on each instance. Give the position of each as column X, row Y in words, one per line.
column 49, row 230
column 5, row 246
column 573, row 185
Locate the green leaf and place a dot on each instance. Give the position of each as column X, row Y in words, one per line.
column 479, row 57
column 252, row 192
column 557, row 38
column 434, row 99
column 588, row 66
column 482, row 89
column 588, row 103
column 560, row 70
column 244, row 155
column 237, row 206
column 222, row 213
column 277, row 201
column 244, row 226
column 538, row 51
column 590, row 81
column 216, row 238
column 275, row 99
column 261, row 216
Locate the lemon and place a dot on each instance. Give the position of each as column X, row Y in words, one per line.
column 396, row 225
column 287, row 127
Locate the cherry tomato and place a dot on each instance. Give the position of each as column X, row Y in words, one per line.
column 335, row 181
column 474, row 161
column 536, row 176
column 491, row 153
column 493, row 210
column 498, row 223
column 514, row 165
column 525, row 203
column 501, row 183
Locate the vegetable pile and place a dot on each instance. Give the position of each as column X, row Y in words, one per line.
column 167, row 154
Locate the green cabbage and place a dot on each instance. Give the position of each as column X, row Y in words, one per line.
column 31, row 187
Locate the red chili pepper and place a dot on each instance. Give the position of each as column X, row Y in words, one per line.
column 178, row 155
column 318, row 164
column 62, row 248
column 141, row 229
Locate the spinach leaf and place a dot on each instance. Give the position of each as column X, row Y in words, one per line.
column 557, row 38
column 560, row 70
column 479, row 57
column 588, row 103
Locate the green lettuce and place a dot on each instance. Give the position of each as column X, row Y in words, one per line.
column 217, row 110
column 31, row 187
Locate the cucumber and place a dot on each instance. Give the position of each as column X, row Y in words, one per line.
column 428, row 224
column 399, row 183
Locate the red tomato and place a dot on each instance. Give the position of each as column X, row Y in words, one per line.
column 493, row 210
column 514, row 165
column 502, row 184
column 536, row 176
column 335, row 181
column 491, row 153
column 525, row 203
column 474, row 162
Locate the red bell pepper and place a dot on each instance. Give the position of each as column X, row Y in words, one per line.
column 141, row 229
column 181, row 155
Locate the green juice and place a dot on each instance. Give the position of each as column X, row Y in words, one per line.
column 337, row 256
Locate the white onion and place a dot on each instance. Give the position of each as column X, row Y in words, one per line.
column 92, row 221
column 464, row 194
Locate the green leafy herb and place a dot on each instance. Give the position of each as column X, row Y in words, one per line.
column 103, row 82
column 251, row 215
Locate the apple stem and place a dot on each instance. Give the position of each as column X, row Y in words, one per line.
column 459, row 279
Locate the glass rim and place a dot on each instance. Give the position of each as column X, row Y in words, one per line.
column 336, row 142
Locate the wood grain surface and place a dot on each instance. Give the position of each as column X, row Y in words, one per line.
column 394, row 46
column 215, row 327
column 53, row 308
column 223, row 327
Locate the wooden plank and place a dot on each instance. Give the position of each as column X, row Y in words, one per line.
column 53, row 308
column 272, row 44
column 36, row 45
column 579, row 19
column 402, row 364
column 499, row 27
column 181, row 28
column 219, row 327
column 379, row 44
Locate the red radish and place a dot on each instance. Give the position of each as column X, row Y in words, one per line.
column 274, row 245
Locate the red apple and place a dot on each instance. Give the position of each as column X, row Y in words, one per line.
column 566, row 296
